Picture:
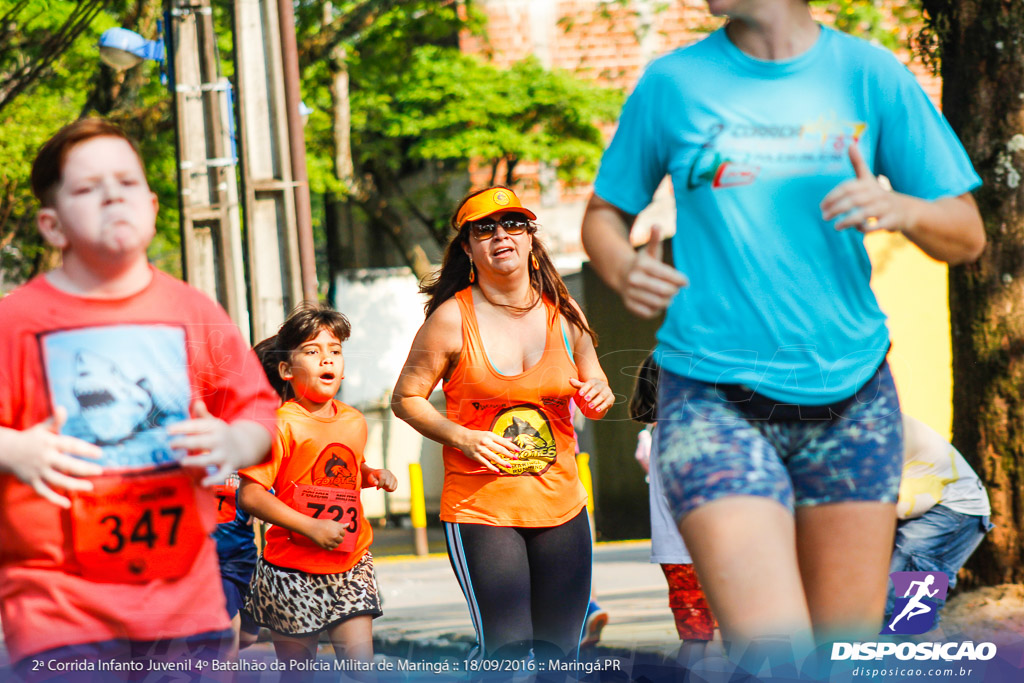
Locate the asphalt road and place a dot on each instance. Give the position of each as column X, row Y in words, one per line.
column 423, row 602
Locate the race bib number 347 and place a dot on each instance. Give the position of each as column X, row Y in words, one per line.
column 136, row 528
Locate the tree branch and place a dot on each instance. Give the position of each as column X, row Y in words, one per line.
column 347, row 26
column 391, row 223
column 52, row 47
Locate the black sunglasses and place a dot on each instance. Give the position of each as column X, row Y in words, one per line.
column 512, row 223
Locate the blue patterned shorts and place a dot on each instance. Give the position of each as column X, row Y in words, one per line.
column 710, row 448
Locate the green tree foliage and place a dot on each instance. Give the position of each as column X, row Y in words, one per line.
column 422, row 109
column 887, row 23
column 38, row 94
column 50, row 75
column 452, row 104
column 446, row 107
column 33, row 35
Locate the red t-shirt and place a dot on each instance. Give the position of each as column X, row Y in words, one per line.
column 315, row 467
column 125, row 370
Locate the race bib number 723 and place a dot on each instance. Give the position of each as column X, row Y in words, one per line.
column 329, row 502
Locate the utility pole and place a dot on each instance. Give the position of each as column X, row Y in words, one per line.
column 268, row 186
column 211, row 232
column 278, row 252
column 293, row 98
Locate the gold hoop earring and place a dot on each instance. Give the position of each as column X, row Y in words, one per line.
column 534, row 261
column 472, row 273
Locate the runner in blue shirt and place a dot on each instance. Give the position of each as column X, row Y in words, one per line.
column 779, row 427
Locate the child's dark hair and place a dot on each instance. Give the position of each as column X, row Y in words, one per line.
column 269, row 357
column 643, row 405
column 304, row 323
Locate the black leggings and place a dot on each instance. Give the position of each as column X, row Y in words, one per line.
column 526, row 587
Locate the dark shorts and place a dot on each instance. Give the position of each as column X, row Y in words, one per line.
column 710, row 447
column 236, row 570
column 236, row 592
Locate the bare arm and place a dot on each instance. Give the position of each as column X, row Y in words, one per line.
column 227, row 446
column 949, row 229
column 433, row 355
column 645, row 283
column 382, row 479
column 593, row 395
column 261, row 503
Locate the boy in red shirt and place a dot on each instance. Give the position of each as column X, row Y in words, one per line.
column 107, row 556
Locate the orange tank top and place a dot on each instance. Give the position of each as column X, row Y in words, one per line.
column 542, row 488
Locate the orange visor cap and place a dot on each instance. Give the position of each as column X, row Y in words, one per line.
column 494, row 200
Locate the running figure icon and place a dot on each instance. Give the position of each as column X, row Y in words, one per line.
column 915, row 607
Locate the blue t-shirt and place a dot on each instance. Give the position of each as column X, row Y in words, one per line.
column 778, row 299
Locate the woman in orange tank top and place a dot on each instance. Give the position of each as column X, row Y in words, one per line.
column 513, row 349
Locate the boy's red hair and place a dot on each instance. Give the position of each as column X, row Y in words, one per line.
column 48, row 167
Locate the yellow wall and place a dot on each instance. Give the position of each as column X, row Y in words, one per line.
column 912, row 290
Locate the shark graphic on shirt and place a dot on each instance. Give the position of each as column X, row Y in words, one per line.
column 113, row 408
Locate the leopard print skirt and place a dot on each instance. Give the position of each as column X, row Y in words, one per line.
column 297, row 603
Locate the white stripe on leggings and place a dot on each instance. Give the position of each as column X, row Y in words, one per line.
column 458, row 555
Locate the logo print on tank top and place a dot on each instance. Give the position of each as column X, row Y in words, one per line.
column 527, row 427
column 332, row 467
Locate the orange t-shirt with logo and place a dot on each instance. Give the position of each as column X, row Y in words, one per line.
column 315, row 467
column 542, row 488
column 133, row 558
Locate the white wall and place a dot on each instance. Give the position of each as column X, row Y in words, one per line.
column 560, row 223
column 385, row 309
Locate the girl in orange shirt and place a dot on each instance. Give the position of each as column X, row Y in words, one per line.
column 316, row 571
column 513, row 350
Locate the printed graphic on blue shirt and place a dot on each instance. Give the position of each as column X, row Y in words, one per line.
column 122, row 386
column 737, row 154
